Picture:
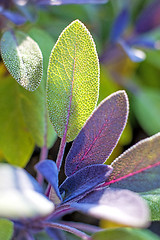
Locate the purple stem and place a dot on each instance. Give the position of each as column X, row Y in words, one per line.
column 82, row 226
column 76, row 232
column 61, row 151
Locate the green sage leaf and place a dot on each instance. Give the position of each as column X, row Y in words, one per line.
column 23, row 58
column 6, row 229
column 73, row 80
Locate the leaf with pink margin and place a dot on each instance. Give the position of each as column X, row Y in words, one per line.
column 138, row 168
column 117, row 205
column 100, row 134
column 84, row 180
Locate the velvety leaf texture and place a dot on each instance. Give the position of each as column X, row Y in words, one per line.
column 73, row 80
column 23, row 58
column 125, row 234
column 138, row 168
column 100, row 134
column 6, row 229
column 21, row 195
column 84, row 180
column 117, row 205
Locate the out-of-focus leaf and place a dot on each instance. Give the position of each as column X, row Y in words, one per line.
column 16, row 142
column 120, row 24
column 6, row 229
column 126, row 136
column 49, row 170
column 84, row 180
column 23, row 58
column 118, row 205
column 59, row 2
column 34, row 103
column 125, row 234
column 153, row 201
column 14, row 17
column 138, row 168
column 100, row 134
column 21, row 195
column 73, row 80
column 146, row 105
column 149, row 18
column 55, row 234
column 42, row 236
column 134, row 54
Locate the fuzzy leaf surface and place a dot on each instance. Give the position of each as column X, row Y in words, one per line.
column 125, row 234
column 138, row 169
column 84, row 180
column 117, row 205
column 21, row 195
column 6, row 229
column 153, row 201
column 73, row 80
column 49, row 170
column 23, row 59
column 100, row 134
column 16, row 142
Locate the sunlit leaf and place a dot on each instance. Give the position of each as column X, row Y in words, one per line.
column 146, row 105
column 100, row 134
column 6, row 229
column 117, row 205
column 125, row 234
column 16, row 142
column 73, row 79
column 23, row 58
column 138, row 169
column 153, row 201
column 21, row 195
column 84, row 180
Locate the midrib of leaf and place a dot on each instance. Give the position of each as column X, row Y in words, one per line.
column 131, row 174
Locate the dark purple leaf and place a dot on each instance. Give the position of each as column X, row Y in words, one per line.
column 59, row 2
column 149, row 18
column 49, row 170
column 138, row 169
column 117, row 205
column 14, row 17
column 100, row 134
column 119, row 25
column 55, row 234
column 84, row 180
column 135, row 55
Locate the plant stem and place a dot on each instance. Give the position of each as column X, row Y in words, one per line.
column 43, row 156
column 61, row 152
column 76, row 232
column 82, row 226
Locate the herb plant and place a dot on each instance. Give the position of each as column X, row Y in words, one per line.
column 114, row 192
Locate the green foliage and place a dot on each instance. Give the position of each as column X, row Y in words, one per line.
column 73, row 75
column 6, row 229
column 125, row 234
column 16, row 142
column 23, row 58
column 153, row 200
column 146, row 105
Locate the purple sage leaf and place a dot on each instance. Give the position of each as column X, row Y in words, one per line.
column 49, row 170
column 117, row 205
column 119, row 25
column 84, row 180
column 138, row 169
column 100, row 134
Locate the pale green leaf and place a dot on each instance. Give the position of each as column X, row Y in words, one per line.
column 73, row 80
column 16, row 142
column 146, row 105
column 6, row 229
column 153, row 200
column 23, row 58
column 125, row 234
